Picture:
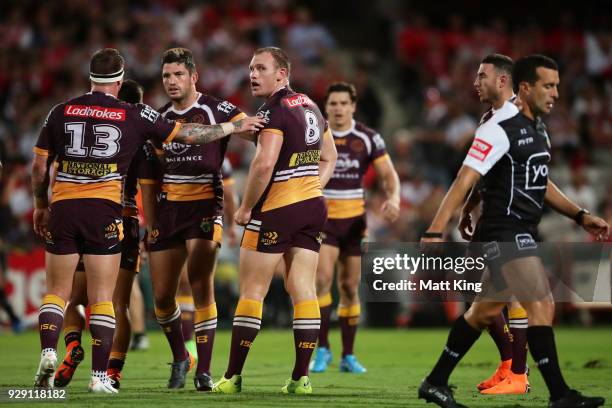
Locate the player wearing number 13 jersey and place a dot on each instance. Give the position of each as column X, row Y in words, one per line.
column 93, row 138
column 284, row 212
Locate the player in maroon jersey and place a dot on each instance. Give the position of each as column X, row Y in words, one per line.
column 94, row 138
column 284, row 211
column 358, row 147
column 189, row 222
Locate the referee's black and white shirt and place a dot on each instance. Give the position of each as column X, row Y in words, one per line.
column 512, row 156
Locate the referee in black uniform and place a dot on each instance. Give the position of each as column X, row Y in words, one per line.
column 510, row 155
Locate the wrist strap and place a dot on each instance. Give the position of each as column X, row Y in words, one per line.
column 432, row 235
column 579, row 217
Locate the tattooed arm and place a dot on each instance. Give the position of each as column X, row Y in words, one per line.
column 195, row 133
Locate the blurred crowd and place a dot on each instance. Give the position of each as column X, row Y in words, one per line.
column 413, row 71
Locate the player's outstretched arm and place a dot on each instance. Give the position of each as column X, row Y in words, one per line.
column 329, row 155
column 465, row 180
column 563, row 205
column 40, row 186
column 391, row 186
column 196, row 133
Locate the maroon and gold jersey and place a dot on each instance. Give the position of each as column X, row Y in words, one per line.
column 193, row 172
column 94, row 138
column 298, row 120
column 357, row 148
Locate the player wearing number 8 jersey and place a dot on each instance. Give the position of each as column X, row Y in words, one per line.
column 284, row 212
column 93, row 138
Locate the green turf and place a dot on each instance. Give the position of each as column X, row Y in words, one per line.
column 396, row 362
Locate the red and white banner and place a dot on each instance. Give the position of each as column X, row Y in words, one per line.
column 26, row 283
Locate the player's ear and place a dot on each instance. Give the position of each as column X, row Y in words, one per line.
column 195, row 76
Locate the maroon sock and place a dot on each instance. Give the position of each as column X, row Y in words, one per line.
column 306, row 325
column 324, row 332
column 50, row 321
column 247, row 322
column 102, row 329
column 518, row 328
column 170, row 322
column 205, row 327
column 500, row 334
column 348, row 317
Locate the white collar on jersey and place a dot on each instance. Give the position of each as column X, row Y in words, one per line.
column 511, row 100
column 345, row 132
column 181, row 112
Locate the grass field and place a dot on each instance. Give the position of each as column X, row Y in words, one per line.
column 396, row 362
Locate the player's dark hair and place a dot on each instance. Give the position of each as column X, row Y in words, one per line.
column 501, row 62
column 280, row 57
column 342, row 87
column 106, row 61
column 180, row 56
column 131, row 91
column 525, row 69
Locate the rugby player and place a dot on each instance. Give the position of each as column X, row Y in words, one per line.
column 284, row 212
column 94, row 138
column 144, row 171
column 358, row 146
column 510, row 156
column 493, row 84
column 189, row 223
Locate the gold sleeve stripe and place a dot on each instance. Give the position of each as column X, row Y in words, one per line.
column 39, row 151
column 238, row 116
column 147, row 181
column 275, row 131
column 381, row 158
column 172, row 135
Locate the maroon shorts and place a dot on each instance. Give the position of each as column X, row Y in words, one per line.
column 178, row 221
column 346, row 234
column 84, row 226
column 130, row 246
column 298, row 225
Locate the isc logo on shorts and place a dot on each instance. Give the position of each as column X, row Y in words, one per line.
column 525, row 241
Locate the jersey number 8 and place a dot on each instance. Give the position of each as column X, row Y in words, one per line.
column 313, row 132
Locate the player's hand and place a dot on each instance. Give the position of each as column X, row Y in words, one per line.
column 232, row 236
column 248, row 124
column 466, row 228
column 41, row 220
column 390, row 209
column 242, row 216
column 596, row 226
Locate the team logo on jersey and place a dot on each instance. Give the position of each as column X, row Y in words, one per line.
column 198, row 118
column 537, row 173
column 525, row 241
column 357, row 146
column 149, row 113
column 96, row 112
column 480, row 149
column 265, row 115
column 226, row 107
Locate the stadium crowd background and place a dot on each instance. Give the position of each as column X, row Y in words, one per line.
column 413, row 65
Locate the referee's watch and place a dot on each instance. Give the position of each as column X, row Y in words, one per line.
column 579, row 217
